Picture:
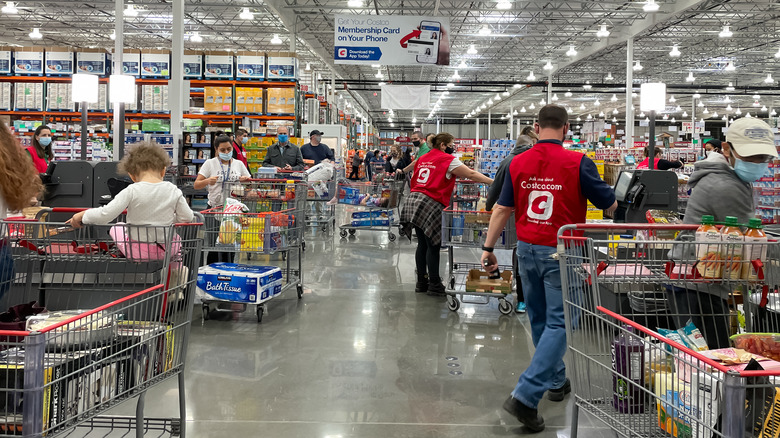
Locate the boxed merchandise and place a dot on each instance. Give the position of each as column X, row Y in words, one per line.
column 218, row 65
column 155, row 63
column 131, row 63
column 250, row 65
column 282, row 66
column 478, row 281
column 281, row 101
column 157, row 98
column 216, row 99
column 93, row 61
column 28, row 61
column 259, row 107
column 5, row 60
column 673, row 405
column 59, row 61
column 5, row 96
column 193, row 64
column 164, row 97
column 241, row 100
column 238, row 283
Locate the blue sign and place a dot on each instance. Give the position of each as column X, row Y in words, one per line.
column 358, row 53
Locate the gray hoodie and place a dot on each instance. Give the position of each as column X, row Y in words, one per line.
column 717, row 190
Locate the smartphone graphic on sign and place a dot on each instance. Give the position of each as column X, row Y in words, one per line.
column 427, row 46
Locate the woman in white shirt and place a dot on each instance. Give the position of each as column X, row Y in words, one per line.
column 217, row 172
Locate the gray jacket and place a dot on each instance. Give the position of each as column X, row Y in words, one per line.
column 494, row 192
column 292, row 156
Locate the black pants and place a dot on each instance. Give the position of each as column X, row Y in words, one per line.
column 355, row 172
column 710, row 314
column 427, row 257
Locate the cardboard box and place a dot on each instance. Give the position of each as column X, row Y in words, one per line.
column 281, row 101
column 93, row 61
column 157, row 98
column 259, row 100
column 193, row 64
column 218, row 65
column 131, row 63
column 240, row 283
column 28, row 61
column 53, row 92
column 59, row 61
column 155, row 63
column 165, row 101
column 217, row 99
column 6, row 58
column 5, row 96
column 250, row 65
column 282, row 66
column 478, row 281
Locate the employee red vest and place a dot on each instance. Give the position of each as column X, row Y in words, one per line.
column 430, row 176
column 646, row 164
column 40, row 163
column 240, row 155
column 548, row 195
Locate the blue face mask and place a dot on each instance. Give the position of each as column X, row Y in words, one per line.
column 283, row 138
column 44, row 141
column 225, row 157
column 750, row 172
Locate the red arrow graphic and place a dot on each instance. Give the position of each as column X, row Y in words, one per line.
column 415, row 34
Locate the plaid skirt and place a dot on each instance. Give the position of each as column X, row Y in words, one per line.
column 421, row 211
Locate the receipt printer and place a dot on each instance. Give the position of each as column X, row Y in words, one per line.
column 640, row 190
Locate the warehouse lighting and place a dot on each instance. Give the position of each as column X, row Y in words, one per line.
column 601, row 114
column 503, row 4
column 456, row 76
column 522, row 110
column 637, row 66
column 308, row 67
column 571, row 52
column 696, row 95
column 196, row 38
column 685, row 114
column 587, row 85
column 85, row 88
column 10, row 8
column 555, row 97
column 506, row 93
column 650, row 6
column 730, row 66
column 690, row 77
column 614, row 120
column 503, row 117
column 769, row 79
column 738, row 111
column 725, row 118
column 590, row 117
column 609, row 77
column 615, row 111
column 727, row 99
column 355, row 3
column 471, row 50
column 276, row 40
column 246, row 14
column 729, row 108
column 542, row 102
column 483, row 106
column 485, row 30
column 514, row 113
column 532, row 106
column 706, row 111
column 36, row 34
column 596, row 103
column 672, row 99
column 121, row 89
column 675, row 53
column 579, row 119
column 701, row 104
column 666, row 117
column 748, row 115
column 642, row 114
column 497, row 98
column 382, row 84
column 567, row 93
column 462, row 64
column 603, row 32
column 777, row 55
column 715, row 115
column 756, row 97
column 652, row 96
column 726, row 32
column 730, row 88
column 131, row 11
column 379, row 74
column 678, row 109
column 531, row 76
column 582, row 106
column 756, row 103
column 548, row 66
column 516, row 86
column 773, row 113
column 450, row 84
column 764, row 109
column 613, row 98
column 490, row 102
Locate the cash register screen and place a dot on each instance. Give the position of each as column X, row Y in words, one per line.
column 622, row 185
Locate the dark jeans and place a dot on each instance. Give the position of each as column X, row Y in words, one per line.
column 519, row 284
column 355, row 172
column 710, row 314
column 427, row 257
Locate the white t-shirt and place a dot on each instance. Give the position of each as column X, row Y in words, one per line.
column 453, row 165
column 224, row 173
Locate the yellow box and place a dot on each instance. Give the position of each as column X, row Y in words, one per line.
column 252, row 235
column 259, row 107
column 594, row 214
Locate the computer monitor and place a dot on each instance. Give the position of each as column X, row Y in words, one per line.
column 622, row 185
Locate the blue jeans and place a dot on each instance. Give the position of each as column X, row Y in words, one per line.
column 540, row 275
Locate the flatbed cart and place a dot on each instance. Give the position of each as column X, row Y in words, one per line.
column 379, row 202
column 643, row 381
column 64, row 364
column 260, row 216
column 468, row 229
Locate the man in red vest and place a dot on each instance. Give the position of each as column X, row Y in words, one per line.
column 547, row 187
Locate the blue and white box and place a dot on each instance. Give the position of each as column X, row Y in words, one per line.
column 218, row 65
column 155, row 63
column 28, row 61
column 6, row 62
column 282, row 66
column 250, row 65
column 93, row 61
column 238, row 283
column 59, row 61
column 193, row 65
column 131, row 63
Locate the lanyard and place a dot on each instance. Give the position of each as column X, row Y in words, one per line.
column 225, row 171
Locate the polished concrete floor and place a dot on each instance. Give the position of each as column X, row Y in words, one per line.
column 361, row 355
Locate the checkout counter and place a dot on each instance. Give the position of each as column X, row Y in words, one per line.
column 77, row 183
column 640, row 190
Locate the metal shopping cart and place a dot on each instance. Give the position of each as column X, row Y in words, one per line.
column 319, row 212
column 636, row 365
column 107, row 316
column 260, row 216
column 379, row 204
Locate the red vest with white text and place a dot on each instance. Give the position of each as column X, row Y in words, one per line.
column 646, row 164
column 430, row 176
column 548, row 195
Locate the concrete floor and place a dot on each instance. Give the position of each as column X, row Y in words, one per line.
column 361, row 355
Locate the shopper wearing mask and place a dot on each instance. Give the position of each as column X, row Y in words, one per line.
column 283, row 155
column 367, row 164
column 356, row 160
column 432, row 185
column 721, row 186
column 394, row 161
column 239, row 143
column 658, row 163
column 316, row 151
column 423, row 148
column 40, row 152
column 712, row 145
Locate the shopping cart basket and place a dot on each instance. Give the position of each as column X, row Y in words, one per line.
column 378, row 203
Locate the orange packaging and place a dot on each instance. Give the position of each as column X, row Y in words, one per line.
column 734, row 243
column 755, row 248
column 708, row 238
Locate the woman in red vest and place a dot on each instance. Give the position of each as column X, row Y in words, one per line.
column 432, row 185
column 40, row 151
column 659, row 163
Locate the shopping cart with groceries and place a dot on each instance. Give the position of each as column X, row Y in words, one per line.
column 375, row 206
column 95, row 316
column 672, row 329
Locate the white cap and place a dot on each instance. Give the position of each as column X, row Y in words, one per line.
column 751, row 136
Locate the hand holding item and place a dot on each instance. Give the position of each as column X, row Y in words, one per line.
column 76, row 220
column 489, row 261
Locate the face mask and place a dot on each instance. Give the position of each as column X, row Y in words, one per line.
column 245, row 140
column 416, row 144
column 750, row 172
column 44, row 141
column 449, row 150
column 317, row 138
column 225, row 157
column 283, row 138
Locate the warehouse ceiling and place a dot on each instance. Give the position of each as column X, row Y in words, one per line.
column 522, row 40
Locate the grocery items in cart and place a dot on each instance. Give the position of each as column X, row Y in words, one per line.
column 376, row 202
column 235, row 283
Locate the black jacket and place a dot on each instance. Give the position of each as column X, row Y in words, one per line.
column 292, row 156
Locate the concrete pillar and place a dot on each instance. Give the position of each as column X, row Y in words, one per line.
column 629, row 90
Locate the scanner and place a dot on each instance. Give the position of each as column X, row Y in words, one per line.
column 640, row 190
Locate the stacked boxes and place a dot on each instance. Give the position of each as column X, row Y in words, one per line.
column 6, row 66
column 29, row 97
column 249, row 100
column 155, row 98
column 250, row 65
column 282, row 66
column 193, row 64
column 5, row 96
column 218, row 65
column 131, row 63
column 218, row 99
column 59, row 61
column 28, row 61
column 767, row 193
column 155, row 63
column 281, row 101
column 492, row 154
column 59, row 96
column 93, row 61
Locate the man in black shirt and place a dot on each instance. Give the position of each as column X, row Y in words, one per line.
column 316, row 151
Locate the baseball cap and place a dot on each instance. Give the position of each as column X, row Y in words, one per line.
column 751, row 136
column 315, row 132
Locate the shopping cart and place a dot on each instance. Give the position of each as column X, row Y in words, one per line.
column 379, row 204
column 319, row 213
column 97, row 316
column 642, row 369
column 260, row 216
column 468, row 283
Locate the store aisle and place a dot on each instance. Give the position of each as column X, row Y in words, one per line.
column 361, row 355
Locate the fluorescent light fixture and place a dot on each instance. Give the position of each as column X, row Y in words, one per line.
column 769, row 79
column 690, row 77
column 246, row 14
column 567, row 93
column 615, row 111
column 532, row 106
column 36, row 34
column 696, row 95
column 9, row 8
column 675, row 53
column 652, row 96
column 276, row 40
column 516, row 86
column 462, row 64
column 613, row 98
column 555, row 97
column 548, row 66
column 609, row 77
column 730, row 87
column 131, row 11
column 726, row 32
column 485, row 30
column 685, row 114
column 587, row 85
column 571, row 52
column 637, row 66
column 196, row 38
column 456, row 76
column 308, row 67
column 503, row 4
column 531, row 76
column 355, row 3
column 602, row 32
column 730, row 66
column 651, row 6
column 85, row 88
column 472, row 50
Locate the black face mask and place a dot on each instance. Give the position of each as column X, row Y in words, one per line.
column 416, row 144
column 449, row 150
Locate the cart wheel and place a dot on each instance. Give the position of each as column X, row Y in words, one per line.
column 453, row 303
column 303, row 246
column 391, row 236
column 352, row 232
column 452, row 283
column 343, row 233
column 504, row 306
column 260, row 312
column 300, row 291
column 205, row 312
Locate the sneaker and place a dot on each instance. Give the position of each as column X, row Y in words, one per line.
column 436, row 289
column 422, row 284
column 558, row 394
column 528, row 416
column 520, row 307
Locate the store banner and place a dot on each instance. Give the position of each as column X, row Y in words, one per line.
column 409, row 97
column 391, row 40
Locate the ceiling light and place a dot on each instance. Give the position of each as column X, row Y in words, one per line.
column 276, row 40
column 542, row 102
column 642, row 114
column 637, row 66
column 113, row 35
column 672, row 99
column 582, row 106
column 696, row 95
column 602, row 32
column 490, row 102
column 678, row 109
column 764, row 109
column 379, row 74
column 613, row 98
column 196, row 38
column 715, row 115
column 483, row 106
column 769, row 79
column 389, row 119
column 773, row 113
column 382, row 83
column 706, row 111
column 450, row 84
column 503, row 4
column 614, row 120
column 587, row 85
column 567, row 93
column 506, row 93
column 522, row 110
column 579, row 119
column 725, row 118
column 531, row 76
column 666, row 117
column 516, row 86
column 456, row 76
column 647, row 119
column 590, row 117
column 748, row 115
column 727, row 99
column 485, row 30
column 609, row 77
column 548, row 66
column 131, row 11
column 690, row 77
column 685, row 114
column 414, row 120
column 35, row 34
column 675, row 53
column 597, row 103
column 729, row 108
column 462, row 64
column 392, row 125
column 471, row 50
column 634, row 95
column 756, row 97
column 514, row 113
column 674, row 120
column 355, row 3
column 376, row 66
column 246, row 14
column 497, row 98
column 615, row 111
column 503, row 117
column 555, row 97
column 730, row 66
column 445, row 93
column 650, row 6
column 701, row 104
column 9, row 8
column 571, row 52
column 730, row 88
column 601, row 114
column 777, row 55
column 726, row 32
column 738, row 111
column 308, row 67
column 532, row 106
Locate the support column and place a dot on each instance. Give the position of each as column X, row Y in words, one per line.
column 518, row 129
column 438, row 125
column 549, row 87
column 629, row 97
column 476, row 135
column 489, row 128
column 178, row 94
column 119, row 108
column 511, row 124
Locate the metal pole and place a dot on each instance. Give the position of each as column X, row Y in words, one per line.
column 84, row 106
column 490, row 126
column 119, row 109
column 651, row 142
column 438, row 125
column 549, row 87
column 476, row 136
column 511, row 124
column 177, row 91
column 629, row 96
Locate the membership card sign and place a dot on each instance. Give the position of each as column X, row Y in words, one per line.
column 392, row 40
